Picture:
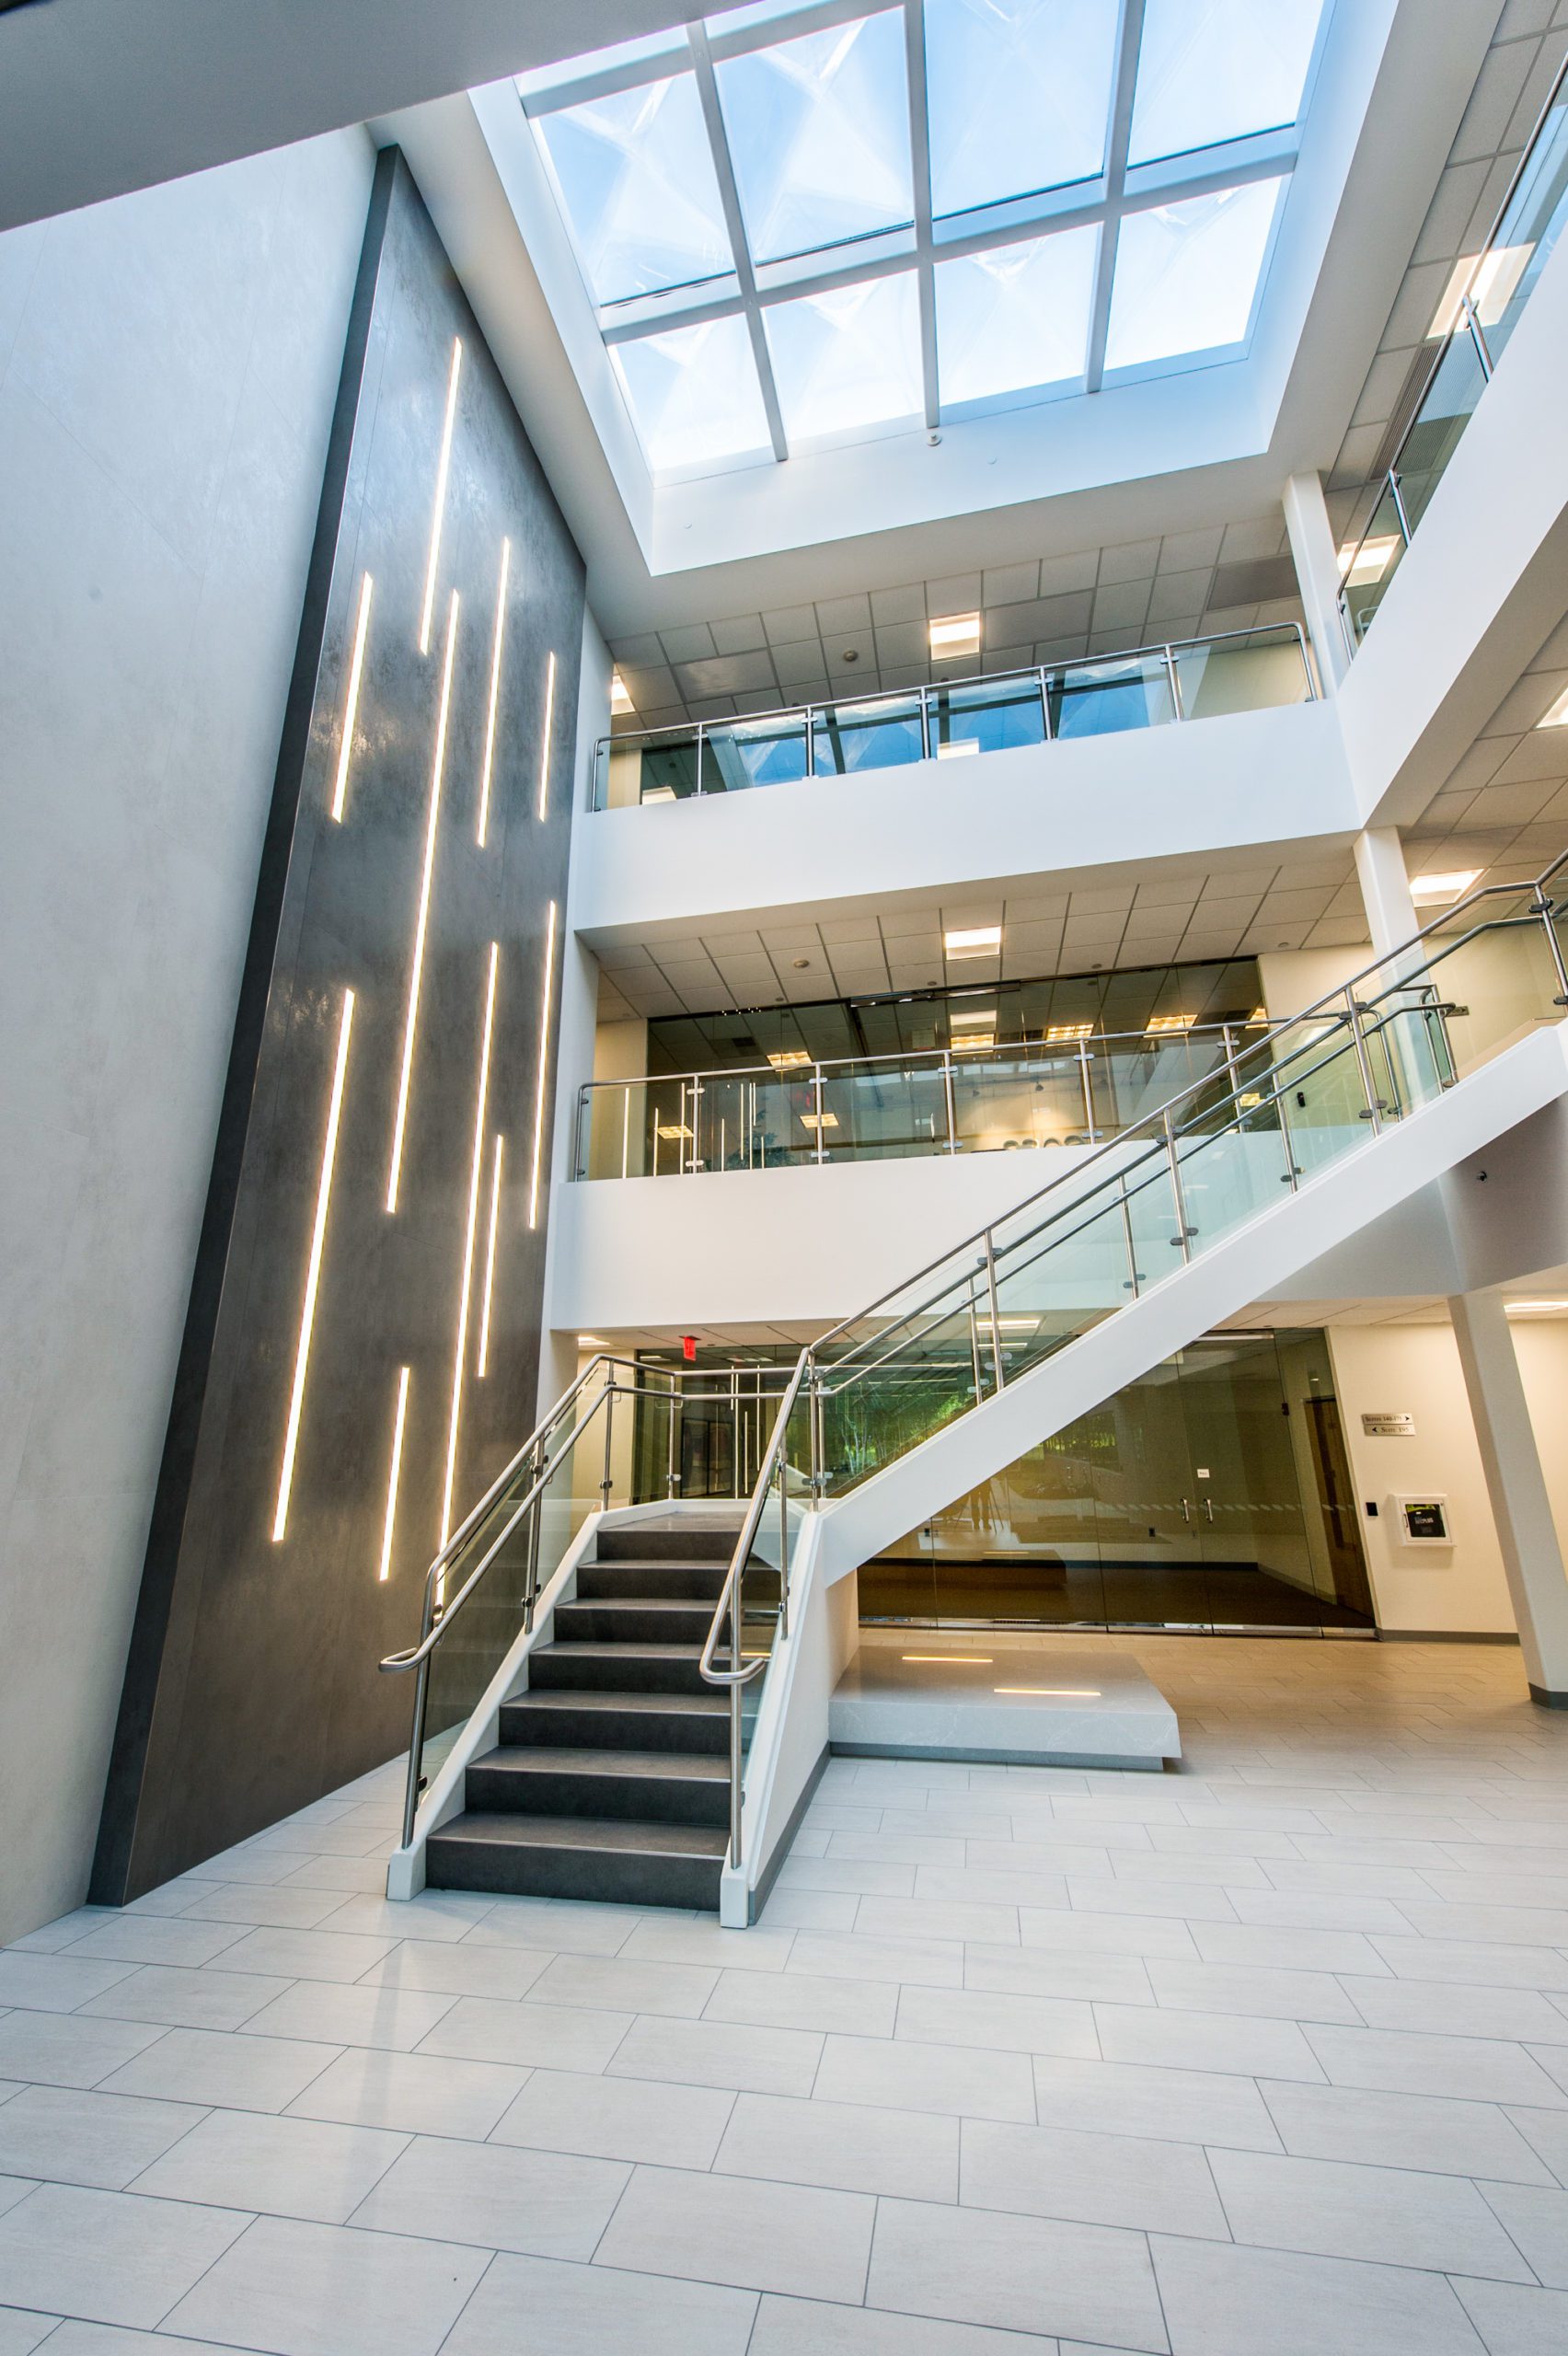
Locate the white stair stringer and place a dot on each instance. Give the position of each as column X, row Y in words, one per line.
column 1251, row 1263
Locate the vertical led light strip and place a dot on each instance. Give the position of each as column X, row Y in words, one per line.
column 480, row 1097
column 546, row 993
column 313, row 1274
column 549, row 731
column 399, row 1417
column 350, row 710
column 416, row 975
column 483, row 1368
column 439, row 516
column 495, row 691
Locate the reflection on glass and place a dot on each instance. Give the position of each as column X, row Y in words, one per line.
column 847, row 358
column 1254, row 671
column 1015, row 318
column 1017, row 93
column 819, row 136
column 745, row 753
column 636, row 182
column 693, row 393
column 1211, row 70
column 985, row 718
column 1186, row 274
column 1102, row 698
column 879, row 735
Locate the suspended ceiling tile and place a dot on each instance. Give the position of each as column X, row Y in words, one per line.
column 790, row 624
column 688, row 643
column 906, row 603
column 739, row 635
column 1130, row 560
column 1008, row 584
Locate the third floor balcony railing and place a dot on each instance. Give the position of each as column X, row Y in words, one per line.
column 1196, row 678
column 973, row 1097
column 1499, row 284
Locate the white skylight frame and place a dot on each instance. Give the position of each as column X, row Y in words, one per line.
column 919, row 246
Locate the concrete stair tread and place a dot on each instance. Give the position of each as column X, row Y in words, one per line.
column 714, row 1705
column 601, row 1648
column 586, row 1832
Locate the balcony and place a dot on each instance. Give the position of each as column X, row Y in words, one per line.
column 973, row 1097
column 1148, row 687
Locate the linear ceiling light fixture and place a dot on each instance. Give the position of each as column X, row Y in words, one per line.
column 476, row 1172
column 483, row 1367
column 494, row 692
column 549, row 733
column 313, row 1271
column 1535, row 1308
column 1556, row 713
column 350, row 709
column 974, row 940
column 416, row 971
column 547, row 990
column 621, row 695
column 956, row 634
column 438, row 515
column 400, row 1418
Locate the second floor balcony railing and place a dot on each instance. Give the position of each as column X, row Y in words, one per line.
column 1499, row 284
column 1194, row 678
column 973, row 1097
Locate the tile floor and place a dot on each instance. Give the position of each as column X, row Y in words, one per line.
column 1265, row 2058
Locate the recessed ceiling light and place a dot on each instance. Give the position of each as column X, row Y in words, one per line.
column 977, row 941
column 591, row 1341
column 673, row 1129
column 1056, row 1033
column 620, row 699
column 1427, row 890
column 819, row 1120
column 1535, row 1308
column 788, row 1059
column 1159, row 1023
column 1489, row 285
column 1365, row 561
column 973, row 1042
column 954, row 634
column 1556, row 714
column 970, row 1015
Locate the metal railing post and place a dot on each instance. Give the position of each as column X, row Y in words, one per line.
column 608, row 1483
column 1087, row 1079
column 811, row 740
column 1183, row 1234
column 1173, row 677
column 1045, row 701
column 697, row 786
column 1471, row 318
column 996, row 1320
column 784, row 1538
column 947, row 1101
column 670, row 1439
column 1374, row 1112
column 816, row 1084
column 1397, row 497
column 923, row 694
column 416, row 1746
column 1541, row 907
column 1132, row 1242
column 819, row 1449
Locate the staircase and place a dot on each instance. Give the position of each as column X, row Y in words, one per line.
column 612, row 1776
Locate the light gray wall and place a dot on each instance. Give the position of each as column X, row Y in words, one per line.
column 168, row 364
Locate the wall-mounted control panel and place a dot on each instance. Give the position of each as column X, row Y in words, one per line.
column 1421, row 1521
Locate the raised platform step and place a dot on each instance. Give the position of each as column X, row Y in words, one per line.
column 572, row 1857
column 644, row 1786
column 617, row 1668
column 634, row 1620
column 688, row 1724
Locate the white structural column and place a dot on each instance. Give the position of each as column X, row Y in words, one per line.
column 1318, row 575
column 1385, row 888
column 1532, row 1556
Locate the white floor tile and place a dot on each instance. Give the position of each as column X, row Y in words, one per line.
column 618, row 2118
column 1392, row 2216
column 478, row 2028
column 714, row 2053
column 899, row 2074
column 541, row 2204
column 284, row 2167
column 731, row 2230
column 180, row 1996
column 108, row 2257
column 331, row 2014
column 848, row 2147
column 1221, row 2301
column 1022, row 2274
column 419, row 2093
column 1146, row 2185
column 1397, row 2130
column 809, row 2327
column 299, row 2289
column 526, row 2303
column 67, row 2049
column 64, row 2136
column 203, row 2065
column 1005, row 2023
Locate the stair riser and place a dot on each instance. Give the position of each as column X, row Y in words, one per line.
column 630, row 1623
column 629, row 1799
column 568, row 1729
column 552, row 1669
column 636, row 1543
column 700, row 1583
column 623, row 1881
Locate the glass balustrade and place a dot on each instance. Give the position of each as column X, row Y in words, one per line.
column 1486, row 312
column 1151, row 688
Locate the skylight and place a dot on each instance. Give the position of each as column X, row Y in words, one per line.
column 799, row 223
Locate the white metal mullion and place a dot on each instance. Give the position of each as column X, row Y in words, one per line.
column 730, row 199
column 920, row 173
column 1129, row 36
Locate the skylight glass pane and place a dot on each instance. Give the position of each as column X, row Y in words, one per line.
column 1015, row 318
column 849, row 358
column 1186, row 274
column 636, row 184
column 542, row 78
column 819, row 134
column 1019, row 94
column 694, row 394
column 1219, row 69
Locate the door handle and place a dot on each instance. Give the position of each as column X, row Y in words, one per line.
column 1186, row 1514
column 1208, row 1507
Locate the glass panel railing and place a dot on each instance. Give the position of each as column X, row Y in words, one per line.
column 882, row 1112
column 884, row 735
column 1145, row 688
column 1023, row 1098
column 1103, row 699
column 1288, row 1103
column 1486, row 310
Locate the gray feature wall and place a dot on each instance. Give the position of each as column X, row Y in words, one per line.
column 169, row 366
column 317, row 1306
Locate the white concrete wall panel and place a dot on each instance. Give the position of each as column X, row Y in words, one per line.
column 168, row 364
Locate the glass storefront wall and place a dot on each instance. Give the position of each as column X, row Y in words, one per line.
column 1215, row 1493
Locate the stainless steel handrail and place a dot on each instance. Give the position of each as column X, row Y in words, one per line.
column 1163, row 652
column 729, row 1603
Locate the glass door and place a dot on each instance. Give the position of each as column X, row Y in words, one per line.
column 1260, row 1568
column 1151, row 1549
